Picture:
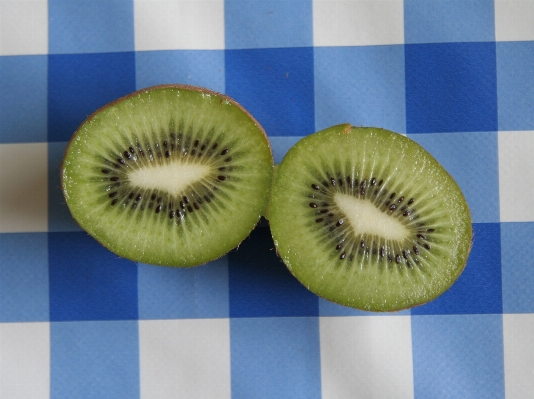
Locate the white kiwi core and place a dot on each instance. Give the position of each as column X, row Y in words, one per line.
column 364, row 217
column 172, row 177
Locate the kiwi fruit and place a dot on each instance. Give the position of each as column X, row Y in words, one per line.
column 367, row 218
column 169, row 175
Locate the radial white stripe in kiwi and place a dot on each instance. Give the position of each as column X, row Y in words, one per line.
column 172, row 178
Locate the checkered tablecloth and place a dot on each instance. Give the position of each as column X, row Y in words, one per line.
column 76, row 321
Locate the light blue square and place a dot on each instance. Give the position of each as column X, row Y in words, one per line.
column 268, row 24
column 23, row 99
column 90, row 26
column 517, row 267
column 515, row 85
column 327, row 308
column 59, row 217
column 275, row 358
column 176, row 293
column 472, row 160
column 204, row 68
column 363, row 86
column 442, row 21
column 24, row 277
column 94, row 359
column 458, row 357
column 280, row 145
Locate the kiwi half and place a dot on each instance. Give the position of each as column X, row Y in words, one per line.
column 367, row 218
column 170, row 175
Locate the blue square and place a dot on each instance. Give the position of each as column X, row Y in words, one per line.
column 458, row 357
column 451, row 87
column 478, row 290
column 517, row 267
column 261, row 285
column 94, row 359
column 23, row 270
column 88, row 282
column 191, row 67
column 59, row 217
column 363, row 86
column 515, row 85
column 176, row 293
column 78, row 84
column 275, row 86
column 268, row 24
column 89, row 26
column 470, row 157
column 441, row 21
column 23, row 98
column 275, row 358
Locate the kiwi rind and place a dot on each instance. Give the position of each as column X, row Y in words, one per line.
column 340, row 281
column 215, row 239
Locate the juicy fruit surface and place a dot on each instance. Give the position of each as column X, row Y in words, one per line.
column 171, row 175
column 367, row 218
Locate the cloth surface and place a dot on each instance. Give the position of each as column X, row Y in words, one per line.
column 78, row 322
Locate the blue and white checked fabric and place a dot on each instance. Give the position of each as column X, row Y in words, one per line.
column 78, row 322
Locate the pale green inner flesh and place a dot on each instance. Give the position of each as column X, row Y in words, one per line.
column 365, row 218
column 169, row 176
column 378, row 226
column 156, row 177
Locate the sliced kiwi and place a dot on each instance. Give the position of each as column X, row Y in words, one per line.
column 367, row 218
column 169, row 175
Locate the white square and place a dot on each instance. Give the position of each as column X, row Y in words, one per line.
column 24, row 188
column 24, row 360
column 179, row 24
column 358, row 22
column 23, row 27
column 366, row 357
column 185, row 358
column 514, row 20
column 518, row 355
column 516, row 175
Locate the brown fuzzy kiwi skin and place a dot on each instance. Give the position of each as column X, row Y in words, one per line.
column 346, row 128
column 176, row 86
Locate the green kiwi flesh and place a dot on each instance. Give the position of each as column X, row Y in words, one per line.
column 367, row 218
column 170, row 175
